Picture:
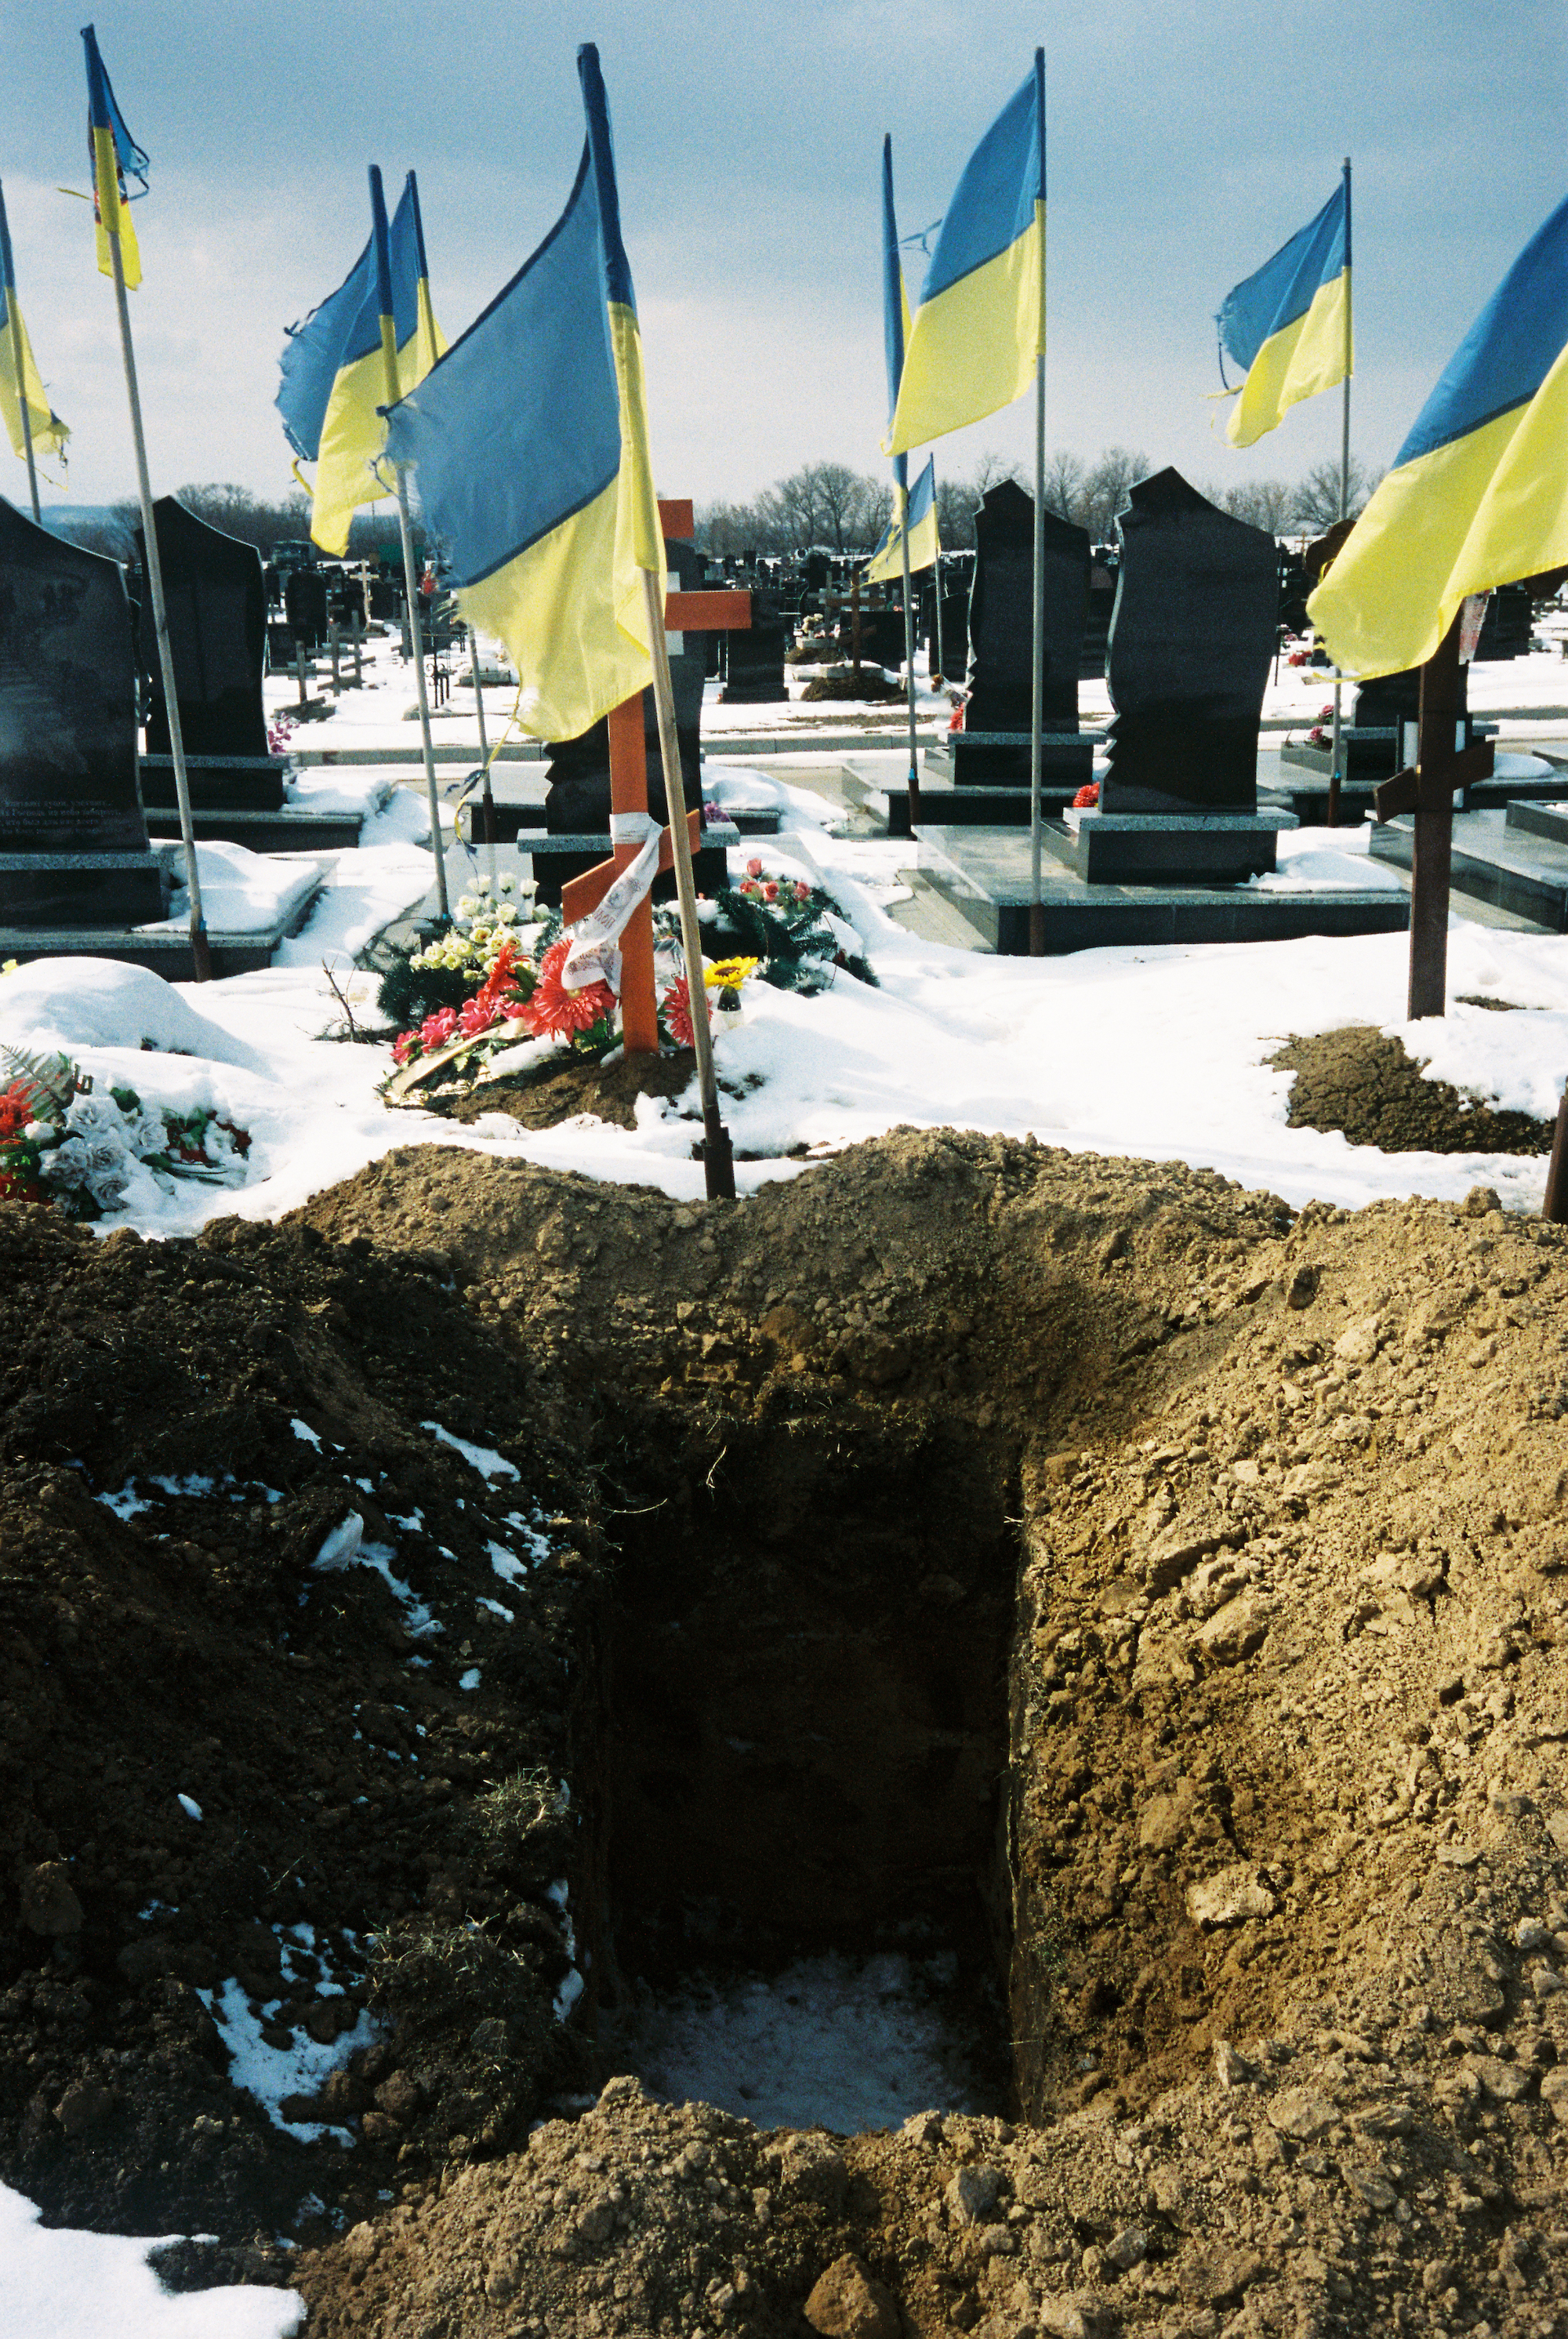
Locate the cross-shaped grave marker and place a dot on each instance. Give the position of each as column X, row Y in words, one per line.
column 1427, row 789
column 683, row 612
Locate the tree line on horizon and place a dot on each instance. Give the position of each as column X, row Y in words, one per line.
column 252, row 518
column 828, row 506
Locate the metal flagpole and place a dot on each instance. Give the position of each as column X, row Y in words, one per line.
column 718, row 1160
column 1336, row 776
column 16, row 362
column 410, row 582
column 1036, row 693
column 902, row 493
column 490, row 801
column 202, row 957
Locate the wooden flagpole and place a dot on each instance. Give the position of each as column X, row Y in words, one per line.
column 405, row 530
column 718, row 1159
column 201, row 955
column 1036, row 693
column 1336, row 771
column 902, row 491
column 17, row 367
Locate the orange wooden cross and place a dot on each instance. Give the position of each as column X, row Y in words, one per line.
column 683, row 612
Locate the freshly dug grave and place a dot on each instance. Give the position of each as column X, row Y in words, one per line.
column 1358, row 1081
column 1164, row 1589
column 869, row 684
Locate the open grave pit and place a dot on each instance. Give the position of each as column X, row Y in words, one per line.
column 1148, row 1596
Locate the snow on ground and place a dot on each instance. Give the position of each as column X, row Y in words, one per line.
column 65, row 2285
column 842, row 2043
column 1156, row 1052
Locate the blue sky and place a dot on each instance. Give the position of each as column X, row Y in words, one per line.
column 1186, row 139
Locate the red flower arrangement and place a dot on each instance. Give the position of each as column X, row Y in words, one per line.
column 1087, row 797
column 557, row 1012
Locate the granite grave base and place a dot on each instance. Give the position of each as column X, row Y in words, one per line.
column 1166, row 848
column 992, row 807
column 986, row 875
column 1515, row 857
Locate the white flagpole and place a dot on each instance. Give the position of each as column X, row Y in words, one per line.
column 201, row 955
column 1336, row 776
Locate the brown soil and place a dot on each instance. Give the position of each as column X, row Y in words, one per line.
column 1174, row 1586
column 871, row 684
column 1358, row 1081
column 561, row 1090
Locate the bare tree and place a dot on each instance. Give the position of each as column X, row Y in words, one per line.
column 1316, row 500
column 1064, row 479
column 1262, row 503
column 239, row 513
column 955, row 503
column 1105, row 489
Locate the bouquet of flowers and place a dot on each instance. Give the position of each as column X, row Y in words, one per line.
column 61, row 1143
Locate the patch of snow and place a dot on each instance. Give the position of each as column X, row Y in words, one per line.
column 303, row 1429
column 482, row 1458
column 507, row 1566
column 58, row 2282
column 470, row 1680
column 190, row 1806
column 271, row 2074
column 834, row 2042
column 507, row 1615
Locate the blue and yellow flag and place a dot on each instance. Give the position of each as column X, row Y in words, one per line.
column 886, row 564
column 530, row 444
column 1290, row 325
column 1478, row 494
column 115, row 157
column 981, row 324
column 20, row 386
column 896, row 323
column 333, row 394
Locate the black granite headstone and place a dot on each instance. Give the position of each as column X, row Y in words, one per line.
column 73, row 850
column 578, row 801
column 754, row 669
column 882, row 638
column 305, row 605
column 1505, row 629
column 1192, row 644
column 1001, row 639
column 216, row 601
column 1390, row 704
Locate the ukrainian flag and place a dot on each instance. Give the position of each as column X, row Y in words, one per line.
column 981, row 324
column 529, row 443
column 333, row 390
column 114, row 155
column 1290, row 325
column 886, row 566
column 1478, row 494
column 20, row 383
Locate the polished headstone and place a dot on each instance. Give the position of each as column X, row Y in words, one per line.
column 215, row 595
column 1192, row 644
column 1001, row 638
column 305, row 605
column 1097, row 627
column 754, row 660
column 73, row 849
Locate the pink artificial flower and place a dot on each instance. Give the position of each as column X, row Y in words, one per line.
column 438, row 1029
column 403, row 1048
column 753, row 869
column 555, row 1011
column 478, row 1014
column 802, row 891
column 770, row 893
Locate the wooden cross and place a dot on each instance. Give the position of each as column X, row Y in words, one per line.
column 1427, row 789
column 683, row 612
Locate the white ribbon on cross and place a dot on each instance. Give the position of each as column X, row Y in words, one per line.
column 593, row 956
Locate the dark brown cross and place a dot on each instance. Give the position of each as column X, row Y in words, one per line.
column 1427, row 789
column 697, row 613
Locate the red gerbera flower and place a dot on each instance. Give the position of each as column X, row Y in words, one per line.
column 678, row 1004
column 556, row 1011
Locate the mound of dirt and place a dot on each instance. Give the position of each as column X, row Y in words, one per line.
column 1165, row 1592
column 1358, row 1081
column 564, row 1087
column 869, row 684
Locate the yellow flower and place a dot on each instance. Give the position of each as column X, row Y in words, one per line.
column 729, row 973
column 9, row 967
